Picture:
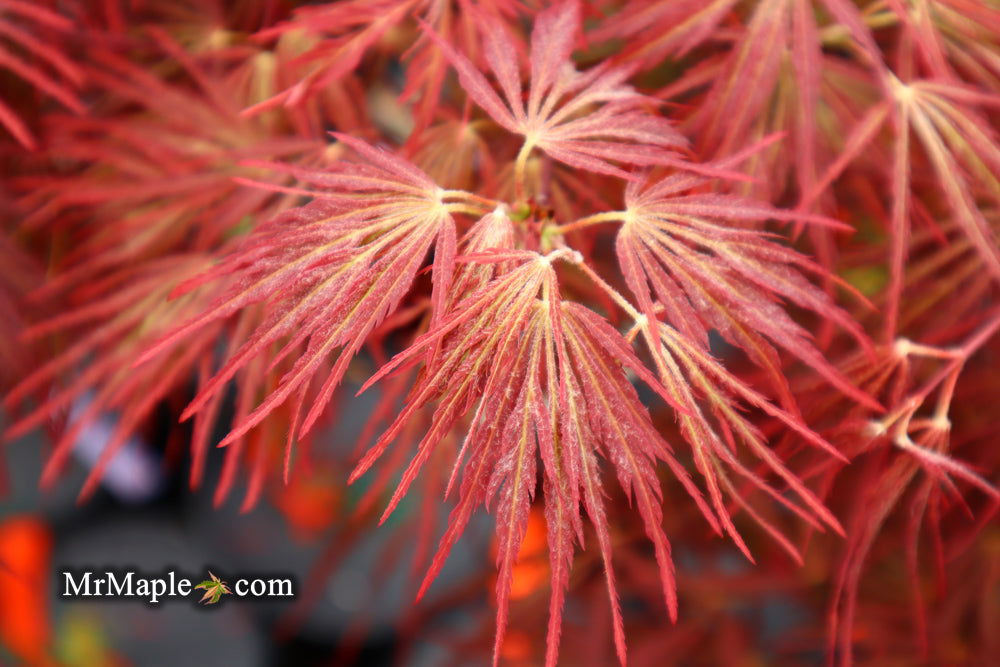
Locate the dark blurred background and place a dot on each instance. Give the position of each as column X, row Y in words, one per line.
column 354, row 588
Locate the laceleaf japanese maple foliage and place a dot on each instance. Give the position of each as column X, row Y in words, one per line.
column 737, row 256
column 29, row 35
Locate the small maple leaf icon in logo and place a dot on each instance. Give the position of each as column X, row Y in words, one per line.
column 214, row 589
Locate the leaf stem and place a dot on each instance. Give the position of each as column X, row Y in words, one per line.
column 520, row 166
column 464, row 208
column 576, row 258
column 963, row 353
column 948, row 375
column 597, row 218
column 463, row 195
column 622, row 302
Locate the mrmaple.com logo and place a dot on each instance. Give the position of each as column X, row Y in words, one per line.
column 153, row 589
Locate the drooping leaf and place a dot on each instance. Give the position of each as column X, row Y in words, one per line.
column 543, row 379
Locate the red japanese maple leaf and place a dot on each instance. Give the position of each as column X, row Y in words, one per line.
column 544, row 378
column 39, row 61
column 589, row 120
column 329, row 273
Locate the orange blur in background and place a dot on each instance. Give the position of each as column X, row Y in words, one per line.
column 25, row 556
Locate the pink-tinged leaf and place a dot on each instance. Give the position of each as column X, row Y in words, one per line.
column 934, row 129
column 730, row 282
column 37, row 61
column 514, row 477
column 475, row 84
column 938, row 463
column 354, row 28
column 544, row 379
column 858, row 139
column 552, row 41
column 735, row 100
column 847, row 14
column 666, row 27
column 621, row 130
column 501, row 54
column 327, row 274
column 614, row 414
column 16, row 126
